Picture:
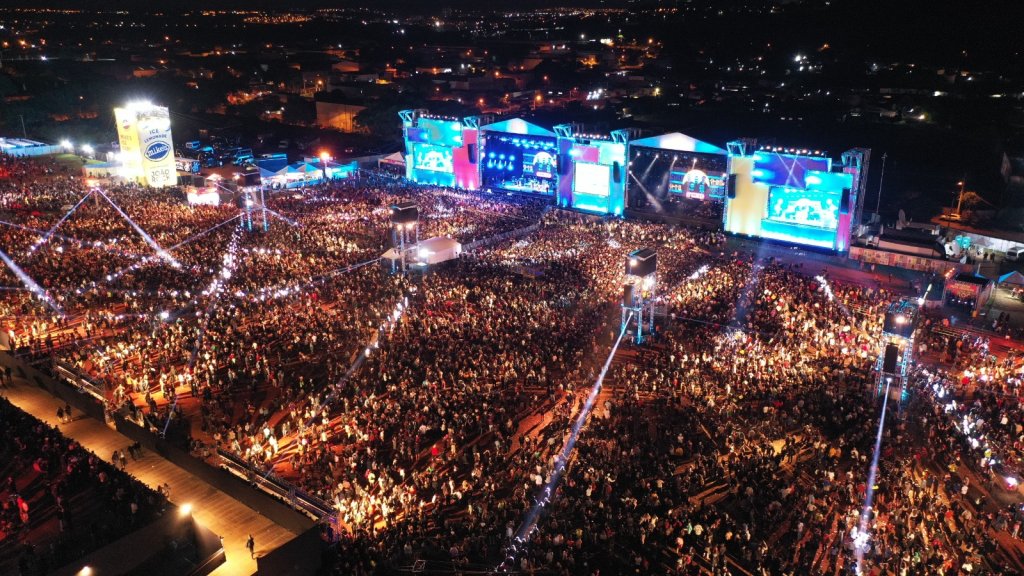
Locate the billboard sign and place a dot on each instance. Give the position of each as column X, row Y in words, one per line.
column 144, row 132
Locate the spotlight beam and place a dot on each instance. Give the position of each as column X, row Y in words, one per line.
column 869, row 494
column 30, row 284
column 650, row 197
column 228, row 264
column 62, row 219
column 40, row 232
column 149, row 239
column 529, row 525
column 151, row 257
column 199, row 235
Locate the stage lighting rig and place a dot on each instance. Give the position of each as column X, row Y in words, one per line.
column 638, row 292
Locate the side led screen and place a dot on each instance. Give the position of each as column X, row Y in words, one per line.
column 776, row 169
column 812, row 214
column 435, row 131
column 520, row 163
column 804, row 207
column 593, row 179
column 432, row 158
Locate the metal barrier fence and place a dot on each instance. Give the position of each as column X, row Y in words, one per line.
column 73, row 377
column 310, row 505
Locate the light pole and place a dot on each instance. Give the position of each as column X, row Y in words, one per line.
column 878, row 202
column 960, row 197
column 324, row 157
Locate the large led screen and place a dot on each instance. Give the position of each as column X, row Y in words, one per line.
column 520, row 163
column 804, row 207
column 593, row 179
column 434, row 131
column 660, row 175
column 432, row 158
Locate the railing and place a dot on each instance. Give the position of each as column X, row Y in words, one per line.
column 517, row 233
column 82, row 383
column 210, row 564
column 310, row 505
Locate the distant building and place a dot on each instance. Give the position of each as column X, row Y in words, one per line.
column 339, row 115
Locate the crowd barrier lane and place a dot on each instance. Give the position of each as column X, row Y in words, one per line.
column 272, row 508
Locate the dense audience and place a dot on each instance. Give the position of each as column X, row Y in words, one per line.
column 58, row 501
column 451, row 418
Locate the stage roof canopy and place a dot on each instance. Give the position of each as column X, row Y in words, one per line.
column 518, row 126
column 677, row 142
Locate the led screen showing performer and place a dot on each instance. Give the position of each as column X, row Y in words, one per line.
column 432, row 158
column 520, row 163
column 667, row 175
column 696, row 183
column 804, row 207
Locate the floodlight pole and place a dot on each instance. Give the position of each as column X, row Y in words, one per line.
column 247, row 200
column 401, row 244
column 263, row 203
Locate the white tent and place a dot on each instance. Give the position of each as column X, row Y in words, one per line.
column 427, row 252
column 393, row 159
column 437, row 250
column 1012, row 278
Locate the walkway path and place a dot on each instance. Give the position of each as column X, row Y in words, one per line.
column 214, row 509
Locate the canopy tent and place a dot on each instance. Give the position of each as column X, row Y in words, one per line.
column 306, row 169
column 1012, row 278
column 438, row 249
column 393, row 159
column 427, row 252
column 266, row 173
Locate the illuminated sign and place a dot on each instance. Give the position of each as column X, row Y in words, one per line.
column 128, row 139
column 144, row 133
column 157, row 151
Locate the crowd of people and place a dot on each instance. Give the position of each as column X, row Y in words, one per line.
column 452, row 418
column 58, row 501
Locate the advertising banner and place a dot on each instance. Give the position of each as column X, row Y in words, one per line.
column 147, row 152
column 128, row 138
